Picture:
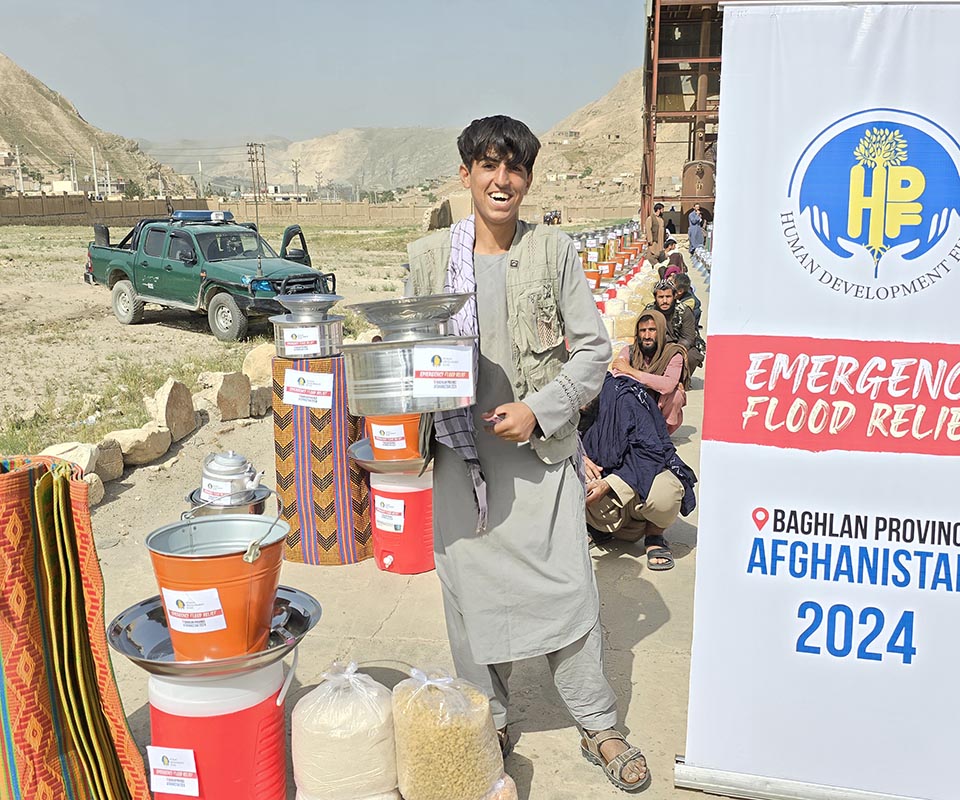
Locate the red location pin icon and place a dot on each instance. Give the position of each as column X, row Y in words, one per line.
column 760, row 517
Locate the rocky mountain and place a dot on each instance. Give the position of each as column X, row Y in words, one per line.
column 368, row 157
column 605, row 136
column 49, row 129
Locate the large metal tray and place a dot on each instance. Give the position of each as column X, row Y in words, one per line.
column 362, row 453
column 308, row 307
column 412, row 317
column 140, row 633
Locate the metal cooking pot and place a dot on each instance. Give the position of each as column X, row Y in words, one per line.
column 297, row 338
column 308, row 307
column 380, row 378
column 228, row 479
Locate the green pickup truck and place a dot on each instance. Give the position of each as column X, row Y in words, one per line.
column 202, row 261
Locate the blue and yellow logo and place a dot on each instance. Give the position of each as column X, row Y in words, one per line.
column 880, row 190
column 436, row 361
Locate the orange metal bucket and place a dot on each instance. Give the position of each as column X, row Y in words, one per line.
column 607, row 268
column 394, row 438
column 593, row 278
column 217, row 604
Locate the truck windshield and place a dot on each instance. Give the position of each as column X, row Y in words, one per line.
column 232, row 244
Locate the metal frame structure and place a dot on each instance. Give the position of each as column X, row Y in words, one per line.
column 665, row 60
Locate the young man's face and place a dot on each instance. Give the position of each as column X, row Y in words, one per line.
column 664, row 299
column 497, row 189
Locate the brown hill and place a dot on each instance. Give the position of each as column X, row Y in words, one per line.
column 48, row 128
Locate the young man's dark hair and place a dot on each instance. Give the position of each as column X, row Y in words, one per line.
column 500, row 136
column 658, row 207
column 681, row 281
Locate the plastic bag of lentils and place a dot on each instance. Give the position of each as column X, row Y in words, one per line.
column 447, row 746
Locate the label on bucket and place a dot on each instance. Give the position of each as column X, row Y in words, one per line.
column 442, row 371
column 301, row 341
column 173, row 770
column 194, row 612
column 388, row 514
column 212, row 489
column 313, row 389
column 388, row 437
column 593, row 256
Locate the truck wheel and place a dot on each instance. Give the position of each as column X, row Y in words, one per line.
column 126, row 308
column 226, row 318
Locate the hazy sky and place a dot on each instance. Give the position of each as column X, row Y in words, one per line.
column 294, row 68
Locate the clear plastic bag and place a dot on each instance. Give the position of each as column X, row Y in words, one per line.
column 503, row 789
column 342, row 741
column 447, row 747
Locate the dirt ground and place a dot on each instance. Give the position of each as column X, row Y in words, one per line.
column 58, row 331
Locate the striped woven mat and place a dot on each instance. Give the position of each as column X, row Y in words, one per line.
column 63, row 733
column 326, row 496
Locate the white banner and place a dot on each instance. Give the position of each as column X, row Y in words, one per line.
column 828, row 569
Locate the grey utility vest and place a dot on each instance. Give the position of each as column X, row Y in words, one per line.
column 533, row 316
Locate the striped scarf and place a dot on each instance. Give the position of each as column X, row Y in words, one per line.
column 456, row 428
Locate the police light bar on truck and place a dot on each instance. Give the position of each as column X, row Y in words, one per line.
column 202, row 216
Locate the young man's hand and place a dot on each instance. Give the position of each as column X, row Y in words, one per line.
column 517, row 424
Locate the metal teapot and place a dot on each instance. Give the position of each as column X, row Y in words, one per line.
column 228, row 479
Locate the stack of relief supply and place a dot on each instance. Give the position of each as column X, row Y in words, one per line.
column 447, row 747
column 343, row 741
column 397, row 384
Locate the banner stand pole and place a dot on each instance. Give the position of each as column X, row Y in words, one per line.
column 755, row 787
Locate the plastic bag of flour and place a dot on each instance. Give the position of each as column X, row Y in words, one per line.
column 447, row 747
column 503, row 789
column 342, row 741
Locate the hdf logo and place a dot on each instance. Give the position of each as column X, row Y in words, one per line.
column 875, row 205
column 180, row 604
column 436, row 361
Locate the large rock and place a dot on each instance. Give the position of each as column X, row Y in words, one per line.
column 228, row 391
column 173, row 409
column 142, row 445
column 109, row 460
column 261, row 401
column 97, row 491
column 258, row 365
column 84, row 455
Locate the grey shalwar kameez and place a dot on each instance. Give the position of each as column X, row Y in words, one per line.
column 526, row 586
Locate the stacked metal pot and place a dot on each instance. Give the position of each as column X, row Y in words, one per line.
column 308, row 330
column 396, row 384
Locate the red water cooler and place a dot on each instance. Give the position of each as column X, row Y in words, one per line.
column 401, row 512
column 225, row 736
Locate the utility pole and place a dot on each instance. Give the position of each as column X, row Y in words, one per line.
column 259, row 171
column 296, row 177
column 73, row 172
column 96, row 183
column 19, row 171
column 200, row 171
column 316, row 180
column 109, row 191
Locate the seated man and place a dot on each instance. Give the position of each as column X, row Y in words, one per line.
column 659, row 365
column 685, row 295
column 680, row 325
column 636, row 482
column 674, row 259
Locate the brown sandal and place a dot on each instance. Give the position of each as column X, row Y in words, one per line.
column 613, row 769
column 503, row 737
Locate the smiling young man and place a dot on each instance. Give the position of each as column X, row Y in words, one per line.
column 509, row 513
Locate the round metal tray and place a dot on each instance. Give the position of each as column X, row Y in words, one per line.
column 255, row 505
column 362, row 453
column 140, row 633
column 308, row 307
column 409, row 316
